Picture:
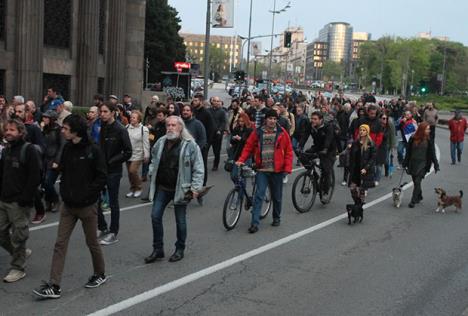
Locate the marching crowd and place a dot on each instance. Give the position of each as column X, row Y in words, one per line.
column 168, row 143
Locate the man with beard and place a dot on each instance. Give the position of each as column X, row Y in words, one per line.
column 177, row 169
column 20, row 175
column 194, row 126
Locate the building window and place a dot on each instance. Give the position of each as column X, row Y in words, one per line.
column 2, row 82
column 60, row 82
column 102, row 24
column 218, row 45
column 100, row 85
column 190, row 44
column 57, row 23
column 2, row 19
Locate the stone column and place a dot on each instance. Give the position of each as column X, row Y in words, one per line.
column 136, row 13
column 87, row 57
column 116, row 35
column 29, row 48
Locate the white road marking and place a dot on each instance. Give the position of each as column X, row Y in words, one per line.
column 151, row 294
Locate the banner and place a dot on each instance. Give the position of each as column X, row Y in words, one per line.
column 256, row 48
column 222, row 13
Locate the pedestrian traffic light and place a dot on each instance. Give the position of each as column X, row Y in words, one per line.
column 287, row 39
column 239, row 75
column 423, row 88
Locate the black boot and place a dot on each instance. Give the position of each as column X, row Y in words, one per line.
column 177, row 255
column 155, row 256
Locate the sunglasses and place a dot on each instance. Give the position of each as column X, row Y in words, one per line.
column 383, row 118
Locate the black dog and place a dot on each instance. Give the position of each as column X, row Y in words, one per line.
column 356, row 211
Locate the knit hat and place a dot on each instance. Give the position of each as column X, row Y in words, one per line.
column 366, row 127
column 50, row 114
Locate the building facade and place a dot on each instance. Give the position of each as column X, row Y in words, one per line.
column 358, row 39
column 338, row 36
column 82, row 47
column 231, row 46
column 317, row 54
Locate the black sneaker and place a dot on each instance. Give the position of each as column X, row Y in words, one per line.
column 95, row 281
column 48, row 290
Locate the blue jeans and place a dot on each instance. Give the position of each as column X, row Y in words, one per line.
column 456, row 150
column 161, row 199
column 275, row 182
column 51, row 176
column 113, row 185
column 401, row 151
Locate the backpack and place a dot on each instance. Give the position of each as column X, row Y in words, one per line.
column 37, row 148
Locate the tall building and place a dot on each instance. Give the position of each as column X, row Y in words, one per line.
column 82, row 47
column 358, row 39
column 338, row 36
column 317, row 53
column 231, row 45
column 428, row 35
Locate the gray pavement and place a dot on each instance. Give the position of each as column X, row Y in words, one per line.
column 397, row 262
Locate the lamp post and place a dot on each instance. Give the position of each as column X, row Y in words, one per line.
column 274, row 12
column 248, row 40
column 206, row 57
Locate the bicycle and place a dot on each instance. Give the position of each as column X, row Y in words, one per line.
column 235, row 198
column 309, row 182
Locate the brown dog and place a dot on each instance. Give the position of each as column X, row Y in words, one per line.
column 443, row 200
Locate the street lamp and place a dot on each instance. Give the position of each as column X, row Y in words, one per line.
column 274, row 12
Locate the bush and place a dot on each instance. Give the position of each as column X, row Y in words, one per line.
column 443, row 102
column 80, row 110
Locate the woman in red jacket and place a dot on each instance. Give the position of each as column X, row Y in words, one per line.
column 273, row 157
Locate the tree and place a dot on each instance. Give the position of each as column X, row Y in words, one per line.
column 163, row 45
column 332, row 70
column 217, row 63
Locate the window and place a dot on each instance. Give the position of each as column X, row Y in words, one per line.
column 2, row 82
column 218, row 45
column 60, row 82
column 102, row 25
column 2, row 19
column 190, row 44
column 57, row 23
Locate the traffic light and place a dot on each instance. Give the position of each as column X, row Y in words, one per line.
column 287, row 39
column 423, row 88
column 239, row 75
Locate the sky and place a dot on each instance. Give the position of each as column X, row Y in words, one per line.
column 404, row 18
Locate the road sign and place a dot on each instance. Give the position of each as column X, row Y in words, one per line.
column 182, row 65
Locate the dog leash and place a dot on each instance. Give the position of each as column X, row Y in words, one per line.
column 401, row 177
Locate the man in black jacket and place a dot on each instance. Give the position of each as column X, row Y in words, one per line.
column 116, row 146
column 83, row 172
column 204, row 116
column 220, row 118
column 323, row 135
column 20, row 175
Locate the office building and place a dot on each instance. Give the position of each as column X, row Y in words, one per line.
column 338, row 36
column 82, row 47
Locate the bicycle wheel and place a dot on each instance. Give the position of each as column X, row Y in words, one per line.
column 232, row 209
column 267, row 204
column 330, row 190
column 304, row 192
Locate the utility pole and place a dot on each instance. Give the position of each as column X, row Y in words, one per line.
column 206, row 57
column 271, row 45
column 147, row 70
column 248, row 41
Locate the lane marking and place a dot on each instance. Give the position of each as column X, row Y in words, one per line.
column 151, row 294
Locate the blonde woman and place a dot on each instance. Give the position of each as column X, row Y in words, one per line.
column 139, row 138
column 362, row 165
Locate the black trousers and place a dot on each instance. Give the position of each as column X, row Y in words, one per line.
column 204, row 152
column 216, row 142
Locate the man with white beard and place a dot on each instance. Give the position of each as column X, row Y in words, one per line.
column 177, row 173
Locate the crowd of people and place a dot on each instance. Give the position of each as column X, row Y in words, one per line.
column 168, row 144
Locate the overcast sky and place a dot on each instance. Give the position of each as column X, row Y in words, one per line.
column 403, row 18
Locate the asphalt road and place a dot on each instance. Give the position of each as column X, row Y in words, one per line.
column 397, row 262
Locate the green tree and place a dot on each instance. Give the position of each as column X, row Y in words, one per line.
column 163, row 45
column 332, row 70
column 218, row 60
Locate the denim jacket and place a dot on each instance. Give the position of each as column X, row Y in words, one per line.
column 191, row 169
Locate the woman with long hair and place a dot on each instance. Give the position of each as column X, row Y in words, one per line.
column 362, row 165
column 388, row 143
column 239, row 135
column 419, row 158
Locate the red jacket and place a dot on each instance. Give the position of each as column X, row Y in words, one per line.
column 283, row 155
column 457, row 129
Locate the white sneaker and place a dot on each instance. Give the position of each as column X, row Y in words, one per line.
column 137, row 194
column 14, row 275
column 129, row 194
column 376, row 183
column 28, row 253
column 343, row 183
column 109, row 240
column 285, row 179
